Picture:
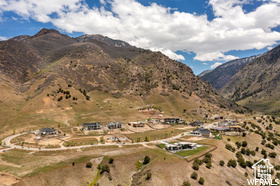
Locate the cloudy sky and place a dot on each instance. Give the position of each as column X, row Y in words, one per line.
column 202, row 34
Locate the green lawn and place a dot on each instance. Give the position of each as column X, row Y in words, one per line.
column 192, row 152
column 162, row 146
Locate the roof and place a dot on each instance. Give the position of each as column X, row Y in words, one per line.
column 135, row 122
column 115, row 123
column 196, row 123
column 202, row 131
column 220, row 128
column 187, row 143
column 46, row 129
column 90, row 124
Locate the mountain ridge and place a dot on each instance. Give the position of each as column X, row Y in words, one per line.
column 223, row 73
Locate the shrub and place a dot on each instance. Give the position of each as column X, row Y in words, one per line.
column 253, row 153
column 194, row 175
column 105, row 168
column 201, row 181
column 238, row 144
column 73, row 163
column 257, row 149
column 149, row 175
column 249, row 164
column 277, row 167
column 272, row 154
column 186, row 183
column 231, row 163
column 208, row 155
column 147, row 139
column 222, row 163
column 111, row 160
column 277, row 175
column 88, row 165
column 244, row 143
column 208, row 165
column 195, row 166
column 146, row 160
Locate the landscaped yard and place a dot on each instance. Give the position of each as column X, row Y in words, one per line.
column 192, row 152
column 162, row 146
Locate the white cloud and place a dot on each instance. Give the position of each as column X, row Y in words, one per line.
column 3, row 38
column 269, row 48
column 169, row 53
column 103, row 2
column 158, row 28
column 216, row 65
column 205, row 63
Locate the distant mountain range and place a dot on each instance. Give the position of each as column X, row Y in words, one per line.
column 257, row 84
column 253, row 82
column 223, row 73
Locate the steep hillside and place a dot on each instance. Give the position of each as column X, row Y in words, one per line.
column 223, row 73
column 257, row 84
column 54, row 77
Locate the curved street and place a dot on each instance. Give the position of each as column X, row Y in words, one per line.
column 7, row 142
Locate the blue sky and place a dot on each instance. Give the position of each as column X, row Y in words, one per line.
column 202, row 34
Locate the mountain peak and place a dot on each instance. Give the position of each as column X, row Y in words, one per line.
column 45, row 31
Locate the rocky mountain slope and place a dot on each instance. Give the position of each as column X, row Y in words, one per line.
column 223, row 73
column 257, row 84
column 48, row 72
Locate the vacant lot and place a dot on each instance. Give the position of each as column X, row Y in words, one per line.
column 80, row 141
column 157, row 134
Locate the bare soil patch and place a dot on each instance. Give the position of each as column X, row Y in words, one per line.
column 8, row 179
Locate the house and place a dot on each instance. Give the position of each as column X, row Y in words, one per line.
column 180, row 146
column 173, row 121
column 197, row 123
column 217, row 117
column 92, row 126
column 48, row 131
column 202, row 132
column 114, row 125
column 136, row 124
column 236, row 128
column 220, row 129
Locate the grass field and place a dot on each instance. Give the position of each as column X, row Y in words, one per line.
column 186, row 153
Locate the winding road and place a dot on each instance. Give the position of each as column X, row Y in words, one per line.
column 7, row 142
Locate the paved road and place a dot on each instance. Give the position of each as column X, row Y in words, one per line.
column 7, row 142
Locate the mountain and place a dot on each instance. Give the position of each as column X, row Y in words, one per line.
column 257, row 84
column 223, row 73
column 204, row 73
column 49, row 77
